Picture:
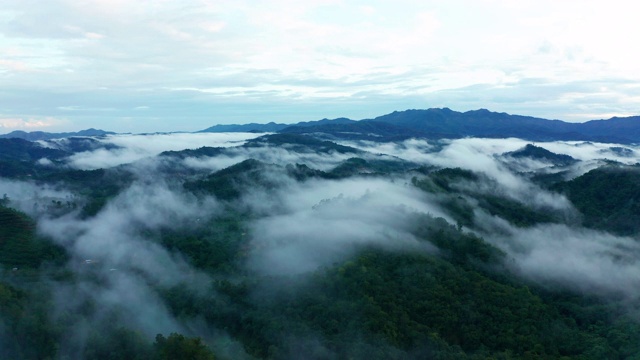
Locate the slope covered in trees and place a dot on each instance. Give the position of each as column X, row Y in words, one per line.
column 608, row 197
column 304, row 248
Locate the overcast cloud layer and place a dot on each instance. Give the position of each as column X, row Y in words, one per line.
column 135, row 66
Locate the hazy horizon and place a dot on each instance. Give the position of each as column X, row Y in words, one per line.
column 187, row 65
column 4, row 130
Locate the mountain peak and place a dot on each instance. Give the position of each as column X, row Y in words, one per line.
column 539, row 153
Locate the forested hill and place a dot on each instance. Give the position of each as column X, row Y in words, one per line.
column 434, row 123
column 287, row 246
column 441, row 123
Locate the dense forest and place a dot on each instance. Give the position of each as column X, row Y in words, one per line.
column 286, row 246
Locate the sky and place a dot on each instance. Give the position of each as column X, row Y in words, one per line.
column 165, row 65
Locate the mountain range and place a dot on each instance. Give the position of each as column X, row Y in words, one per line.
column 438, row 123
column 434, row 123
column 42, row 135
column 287, row 246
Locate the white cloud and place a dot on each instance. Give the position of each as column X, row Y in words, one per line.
column 310, row 225
column 278, row 155
column 349, row 53
column 33, row 124
column 479, row 154
column 111, row 247
column 131, row 148
column 34, row 199
column 581, row 259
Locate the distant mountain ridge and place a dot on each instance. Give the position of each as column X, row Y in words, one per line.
column 438, row 123
column 537, row 153
column 434, row 123
column 41, row 135
column 272, row 126
column 252, row 127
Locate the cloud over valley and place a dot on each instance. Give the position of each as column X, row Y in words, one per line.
column 209, row 219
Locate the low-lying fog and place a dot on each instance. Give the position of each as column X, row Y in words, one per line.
column 299, row 227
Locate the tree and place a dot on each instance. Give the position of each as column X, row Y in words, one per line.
column 177, row 346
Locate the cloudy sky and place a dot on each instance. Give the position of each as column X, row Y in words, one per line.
column 184, row 65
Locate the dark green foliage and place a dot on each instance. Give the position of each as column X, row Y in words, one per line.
column 302, row 172
column 381, row 305
column 22, row 150
column 210, row 245
column 301, row 143
column 539, row 153
column 459, row 247
column 441, row 180
column 410, row 299
column 444, row 178
column 97, row 186
column 457, row 173
column 455, row 299
column 124, row 344
column 359, row 166
column 28, row 332
column 350, row 167
column 16, row 169
column 460, row 210
column 25, row 329
column 204, row 151
column 548, row 180
column 513, row 211
column 80, row 144
column 447, row 182
column 18, row 160
column 19, row 246
column 228, row 183
column 118, row 344
column 608, row 197
column 177, row 346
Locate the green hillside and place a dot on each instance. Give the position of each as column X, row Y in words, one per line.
column 608, row 197
column 19, row 246
column 372, row 257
